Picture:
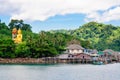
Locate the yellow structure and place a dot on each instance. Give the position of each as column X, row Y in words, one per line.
column 14, row 33
column 18, row 37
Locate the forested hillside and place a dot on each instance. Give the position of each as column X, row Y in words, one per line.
column 34, row 45
column 101, row 36
column 92, row 35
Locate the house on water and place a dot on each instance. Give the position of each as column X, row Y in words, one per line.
column 74, row 49
column 71, row 50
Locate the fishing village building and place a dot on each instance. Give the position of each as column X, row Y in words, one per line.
column 74, row 49
column 75, row 53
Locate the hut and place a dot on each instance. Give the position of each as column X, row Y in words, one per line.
column 119, row 56
column 108, row 53
column 74, row 49
column 93, row 53
column 115, row 56
column 105, row 56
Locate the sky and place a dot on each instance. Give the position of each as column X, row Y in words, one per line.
column 60, row 14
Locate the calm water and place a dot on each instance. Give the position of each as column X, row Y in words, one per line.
column 60, row 72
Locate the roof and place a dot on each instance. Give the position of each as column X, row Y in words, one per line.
column 115, row 53
column 100, row 53
column 94, row 51
column 108, row 50
column 93, row 54
column 74, row 46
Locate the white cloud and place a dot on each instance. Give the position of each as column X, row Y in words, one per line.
column 112, row 14
column 106, row 16
column 6, row 7
column 44, row 9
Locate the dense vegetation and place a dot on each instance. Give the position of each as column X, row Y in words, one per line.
column 44, row 44
column 34, row 45
column 100, row 36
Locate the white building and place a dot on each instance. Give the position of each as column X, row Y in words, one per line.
column 74, row 49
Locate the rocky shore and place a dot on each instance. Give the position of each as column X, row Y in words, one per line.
column 21, row 61
column 50, row 60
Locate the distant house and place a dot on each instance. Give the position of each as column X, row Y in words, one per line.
column 116, row 55
column 110, row 55
column 105, row 55
column 93, row 53
column 108, row 51
column 74, row 49
column 87, row 51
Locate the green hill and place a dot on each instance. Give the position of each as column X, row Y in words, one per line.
column 51, row 43
column 100, row 35
column 33, row 45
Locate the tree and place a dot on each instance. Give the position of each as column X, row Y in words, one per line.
column 7, row 48
column 26, row 27
column 3, row 25
column 19, row 24
column 15, row 23
column 22, row 50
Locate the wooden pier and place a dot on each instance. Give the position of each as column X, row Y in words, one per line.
column 67, row 60
column 49, row 60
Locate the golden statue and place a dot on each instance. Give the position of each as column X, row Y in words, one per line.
column 18, row 38
column 14, row 33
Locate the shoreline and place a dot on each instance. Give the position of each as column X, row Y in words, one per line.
column 44, row 61
column 21, row 61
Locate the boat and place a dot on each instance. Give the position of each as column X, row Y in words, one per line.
column 98, row 63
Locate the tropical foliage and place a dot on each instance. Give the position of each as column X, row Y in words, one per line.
column 100, row 36
column 52, row 43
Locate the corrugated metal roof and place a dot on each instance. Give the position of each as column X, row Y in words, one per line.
column 100, row 53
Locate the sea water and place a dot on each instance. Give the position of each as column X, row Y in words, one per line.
column 60, row 72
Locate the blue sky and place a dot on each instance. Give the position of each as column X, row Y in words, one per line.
column 60, row 14
column 70, row 21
